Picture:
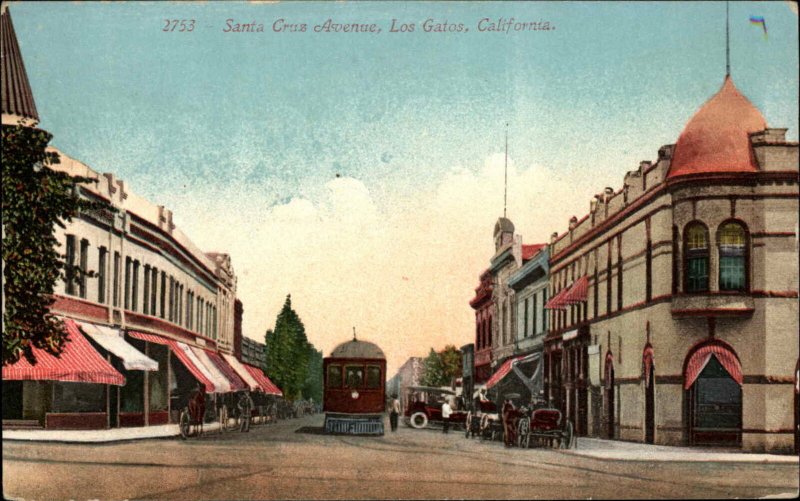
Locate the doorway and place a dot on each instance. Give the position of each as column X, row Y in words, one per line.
column 649, row 406
column 715, row 401
column 610, row 397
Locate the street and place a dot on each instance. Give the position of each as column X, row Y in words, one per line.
column 277, row 462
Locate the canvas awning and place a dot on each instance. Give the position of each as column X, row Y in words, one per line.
column 216, row 376
column 237, row 384
column 702, row 356
column 242, row 371
column 557, row 302
column 507, row 366
column 79, row 362
column 578, row 292
column 112, row 340
column 263, row 381
column 183, row 353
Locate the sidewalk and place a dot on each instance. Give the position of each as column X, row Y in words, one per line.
column 632, row 451
column 99, row 436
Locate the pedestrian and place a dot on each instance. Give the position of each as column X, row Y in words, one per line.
column 245, row 406
column 395, row 412
column 508, row 422
column 446, row 411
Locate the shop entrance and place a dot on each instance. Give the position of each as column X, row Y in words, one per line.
column 649, row 406
column 715, row 401
column 12, row 400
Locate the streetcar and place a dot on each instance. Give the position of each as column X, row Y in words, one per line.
column 354, row 398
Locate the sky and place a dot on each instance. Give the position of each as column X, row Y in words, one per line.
column 362, row 173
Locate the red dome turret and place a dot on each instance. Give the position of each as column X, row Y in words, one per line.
column 716, row 139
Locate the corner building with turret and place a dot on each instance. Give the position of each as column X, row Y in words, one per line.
column 674, row 301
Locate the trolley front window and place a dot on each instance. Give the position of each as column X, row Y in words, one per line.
column 373, row 377
column 334, row 376
column 354, row 376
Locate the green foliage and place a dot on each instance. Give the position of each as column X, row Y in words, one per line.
column 35, row 200
column 442, row 368
column 292, row 362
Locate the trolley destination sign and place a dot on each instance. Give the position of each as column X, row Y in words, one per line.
column 409, row 250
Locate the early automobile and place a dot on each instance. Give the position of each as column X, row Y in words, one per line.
column 424, row 407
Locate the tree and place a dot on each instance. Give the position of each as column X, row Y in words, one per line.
column 442, row 368
column 36, row 198
column 313, row 386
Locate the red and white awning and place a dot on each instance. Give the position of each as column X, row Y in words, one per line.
column 263, row 381
column 242, row 371
column 236, row 383
column 183, row 353
column 702, row 356
column 557, row 302
column 112, row 340
column 506, row 368
column 578, row 292
column 79, row 363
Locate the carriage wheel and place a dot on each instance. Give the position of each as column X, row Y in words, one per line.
column 184, row 423
column 468, row 424
column 419, row 420
column 523, row 428
column 568, row 436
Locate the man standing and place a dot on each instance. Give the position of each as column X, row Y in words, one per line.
column 446, row 411
column 395, row 412
column 245, row 406
column 508, row 422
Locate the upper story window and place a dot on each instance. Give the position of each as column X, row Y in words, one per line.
column 84, row 268
column 696, row 257
column 69, row 271
column 732, row 243
column 102, row 257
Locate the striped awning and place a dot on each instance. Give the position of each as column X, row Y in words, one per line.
column 242, row 371
column 237, row 384
column 263, row 381
column 702, row 356
column 183, row 353
column 112, row 340
column 506, row 368
column 557, row 302
column 578, row 292
column 79, row 362
column 216, row 376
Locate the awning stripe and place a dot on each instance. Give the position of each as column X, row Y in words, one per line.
column 702, row 356
column 187, row 361
column 263, row 381
column 578, row 292
column 556, row 302
column 79, row 363
column 235, row 381
column 242, row 371
column 112, row 341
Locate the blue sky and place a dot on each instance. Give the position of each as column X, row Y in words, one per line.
column 246, row 124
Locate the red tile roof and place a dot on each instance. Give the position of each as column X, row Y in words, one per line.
column 528, row 251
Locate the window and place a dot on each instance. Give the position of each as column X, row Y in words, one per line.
column 544, row 312
column 608, row 280
column 171, row 298
column 84, row 267
column 188, row 309
column 696, row 249
column 525, row 319
column 503, row 322
column 732, row 257
column 101, row 275
column 135, row 287
column 69, row 271
column 334, row 376
column 146, row 295
column 619, row 272
column 675, row 261
column 117, row 266
column 373, row 377
column 153, row 291
column 127, row 302
column 535, row 326
column 162, row 310
column 353, row 376
column 648, row 287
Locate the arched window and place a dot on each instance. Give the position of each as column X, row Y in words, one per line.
column 732, row 257
column 696, row 257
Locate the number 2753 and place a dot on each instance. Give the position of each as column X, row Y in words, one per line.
column 180, row 24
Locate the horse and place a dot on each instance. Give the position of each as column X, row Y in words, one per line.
column 197, row 410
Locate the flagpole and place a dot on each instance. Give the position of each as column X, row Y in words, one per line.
column 727, row 40
column 505, row 178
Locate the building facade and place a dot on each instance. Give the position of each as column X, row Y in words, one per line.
column 409, row 374
column 150, row 317
column 254, row 353
column 674, row 300
column 484, row 328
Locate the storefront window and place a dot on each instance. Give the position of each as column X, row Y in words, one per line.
column 132, row 394
column 79, row 397
column 373, row 377
column 334, row 376
column 158, row 379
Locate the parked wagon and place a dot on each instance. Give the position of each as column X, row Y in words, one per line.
column 544, row 427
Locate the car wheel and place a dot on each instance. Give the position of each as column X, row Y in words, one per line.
column 419, row 420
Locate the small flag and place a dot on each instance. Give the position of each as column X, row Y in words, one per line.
column 759, row 20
